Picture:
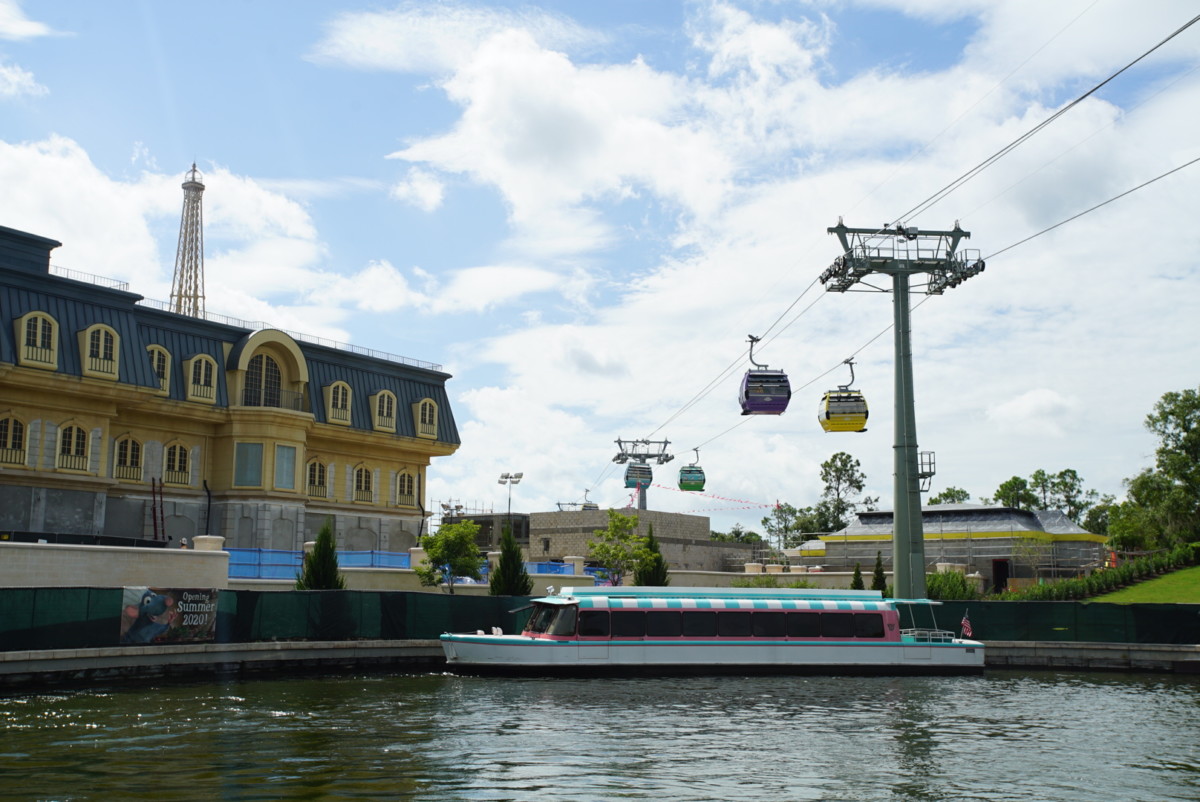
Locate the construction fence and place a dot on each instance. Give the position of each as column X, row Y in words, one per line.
column 78, row 618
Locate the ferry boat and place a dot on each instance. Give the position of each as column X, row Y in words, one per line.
column 663, row 630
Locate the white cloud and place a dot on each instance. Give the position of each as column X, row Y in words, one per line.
column 420, row 189
column 434, row 39
column 1040, row 411
column 15, row 81
column 15, row 25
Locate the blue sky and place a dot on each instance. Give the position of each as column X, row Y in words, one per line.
column 582, row 209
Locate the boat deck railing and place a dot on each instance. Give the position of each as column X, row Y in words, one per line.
column 927, row 635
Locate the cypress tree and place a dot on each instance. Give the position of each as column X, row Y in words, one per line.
column 510, row 577
column 878, row 580
column 651, row 568
column 856, row 581
column 320, row 569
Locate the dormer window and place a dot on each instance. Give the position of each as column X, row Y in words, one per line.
column 160, row 362
column 425, row 418
column 98, row 344
column 383, row 404
column 37, row 334
column 337, row 403
column 200, row 371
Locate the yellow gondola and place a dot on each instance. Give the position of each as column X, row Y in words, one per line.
column 843, row 409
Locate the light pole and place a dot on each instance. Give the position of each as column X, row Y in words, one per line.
column 510, row 479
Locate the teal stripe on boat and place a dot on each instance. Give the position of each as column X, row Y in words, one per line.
column 674, row 604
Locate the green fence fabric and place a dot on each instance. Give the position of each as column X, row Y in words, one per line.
column 1086, row 622
column 59, row 618
column 73, row 618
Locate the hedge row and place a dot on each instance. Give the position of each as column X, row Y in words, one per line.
column 1107, row 580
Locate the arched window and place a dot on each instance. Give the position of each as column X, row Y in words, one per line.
column 201, row 386
column 317, row 485
column 363, row 485
column 99, row 343
column 176, row 467
column 406, row 495
column 38, row 335
column 160, row 361
column 338, row 403
column 12, row 441
column 128, row 462
column 425, row 414
column 72, row 448
column 385, row 410
column 263, row 383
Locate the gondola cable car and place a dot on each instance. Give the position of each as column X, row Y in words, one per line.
column 843, row 409
column 638, row 474
column 691, row 477
column 764, row 391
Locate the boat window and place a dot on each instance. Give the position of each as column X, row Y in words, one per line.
column 699, row 624
column 868, row 625
column 664, row 623
column 564, row 621
column 732, row 624
column 628, row 624
column 539, row 622
column 804, row 625
column 769, row 625
column 593, row 623
column 837, row 625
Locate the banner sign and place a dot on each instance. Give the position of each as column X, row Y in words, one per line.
column 168, row 615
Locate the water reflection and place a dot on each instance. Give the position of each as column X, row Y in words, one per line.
column 1000, row 736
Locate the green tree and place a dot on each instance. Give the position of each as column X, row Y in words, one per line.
column 1162, row 506
column 1015, row 493
column 320, row 568
column 615, row 548
column 856, row 581
column 651, row 568
column 451, row 552
column 736, row 534
column 780, row 524
column 843, row 480
column 1041, row 484
column 878, row 578
column 1096, row 518
column 951, row 495
column 510, row 577
column 1068, row 494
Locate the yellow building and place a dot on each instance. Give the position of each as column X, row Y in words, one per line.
column 121, row 419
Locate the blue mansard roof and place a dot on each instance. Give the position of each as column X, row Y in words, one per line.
column 28, row 285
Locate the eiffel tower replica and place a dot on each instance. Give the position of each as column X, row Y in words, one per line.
column 187, row 287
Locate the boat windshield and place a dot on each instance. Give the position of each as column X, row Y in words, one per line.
column 552, row 619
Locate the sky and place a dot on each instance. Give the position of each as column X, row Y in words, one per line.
column 582, row 210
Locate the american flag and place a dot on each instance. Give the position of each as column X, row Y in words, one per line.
column 966, row 627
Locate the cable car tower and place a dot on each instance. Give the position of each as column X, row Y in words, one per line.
column 638, row 453
column 187, row 287
column 903, row 252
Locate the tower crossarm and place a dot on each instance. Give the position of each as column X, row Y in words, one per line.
column 901, row 250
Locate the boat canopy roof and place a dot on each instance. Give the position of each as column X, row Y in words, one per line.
column 653, row 597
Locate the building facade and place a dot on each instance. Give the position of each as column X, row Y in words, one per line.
column 1005, row 546
column 119, row 418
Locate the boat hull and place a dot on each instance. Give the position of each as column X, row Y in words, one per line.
column 521, row 655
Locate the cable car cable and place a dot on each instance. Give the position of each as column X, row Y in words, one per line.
column 945, row 191
column 1094, row 208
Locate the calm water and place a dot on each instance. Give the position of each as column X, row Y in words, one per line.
column 1003, row 736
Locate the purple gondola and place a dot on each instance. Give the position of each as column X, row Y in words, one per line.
column 764, row 392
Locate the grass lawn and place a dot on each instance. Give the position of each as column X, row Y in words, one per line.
column 1180, row 587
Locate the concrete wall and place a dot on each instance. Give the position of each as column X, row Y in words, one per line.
column 60, row 565
column 684, row 539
